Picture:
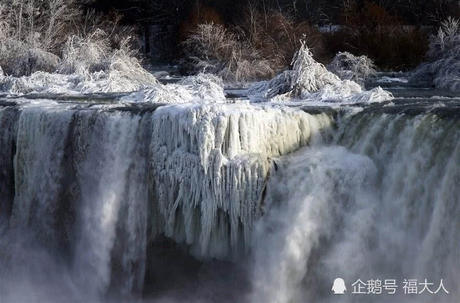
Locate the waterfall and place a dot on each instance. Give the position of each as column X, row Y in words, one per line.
column 317, row 195
column 80, row 193
column 89, row 191
column 383, row 205
column 86, row 188
column 211, row 164
column 8, row 127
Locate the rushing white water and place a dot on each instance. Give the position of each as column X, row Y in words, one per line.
column 307, row 200
column 112, row 203
column 79, row 184
column 93, row 185
column 385, row 207
column 86, row 191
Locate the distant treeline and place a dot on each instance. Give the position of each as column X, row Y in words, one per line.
column 412, row 12
column 392, row 32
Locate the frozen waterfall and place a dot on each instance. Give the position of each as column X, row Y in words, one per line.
column 96, row 183
column 281, row 200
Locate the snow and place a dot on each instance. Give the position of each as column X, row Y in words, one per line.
column 114, row 80
column 202, row 88
column 310, row 82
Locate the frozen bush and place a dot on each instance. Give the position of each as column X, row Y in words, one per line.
column 85, row 55
column 213, row 49
column 31, row 31
column 350, row 67
column 18, row 59
column 103, row 68
column 308, row 75
column 443, row 68
column 310, row 81
column 446, row 42
column 34, row 33
column 88, row 66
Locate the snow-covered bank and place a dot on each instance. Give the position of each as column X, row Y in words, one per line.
column 123, row 75
column 88, row 65
column 85, row 70
column 202, row 88
column 140, row 86
column 310, row 82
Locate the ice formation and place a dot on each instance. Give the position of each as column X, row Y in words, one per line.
column 98, row 184
column 310, row 81
column 350, row 67
column 443, row 70
column 202, row 88
column 211, row 164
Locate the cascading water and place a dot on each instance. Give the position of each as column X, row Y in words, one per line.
column 91, row 194
column 90, row 186
column 384, row 207
column 318, row 195
column 81, row 195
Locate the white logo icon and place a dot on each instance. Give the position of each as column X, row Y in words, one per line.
column 339, row 288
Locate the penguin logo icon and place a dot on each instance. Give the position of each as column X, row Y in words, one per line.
column 338, row 287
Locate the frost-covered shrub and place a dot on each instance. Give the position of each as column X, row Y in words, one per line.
column 17, row 59
column 308, row 75
column 20, row 58
column 89, row 65
column 350, row 67
column 85, row 55
column 213, row 49
column 446, row 41
column 310, row 81
column 443, row 68
column 116, row 69
column 32, row 32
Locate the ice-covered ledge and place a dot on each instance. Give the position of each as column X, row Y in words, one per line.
column 211, row 163
column 193, row 172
